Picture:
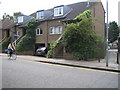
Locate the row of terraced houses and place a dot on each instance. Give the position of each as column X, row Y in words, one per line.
column 52, row 22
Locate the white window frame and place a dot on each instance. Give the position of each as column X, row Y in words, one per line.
column 40, row 15
column 57, row 11
column 38, row 31
column 20, row 19
column 56, row 30
column 59, row 30
column 52, row 30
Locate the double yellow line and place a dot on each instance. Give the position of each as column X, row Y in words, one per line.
column 71, row 66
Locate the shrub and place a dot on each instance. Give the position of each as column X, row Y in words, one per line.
column 27, row 42
column 81, row 40
column 5, row 44
column 52, row 48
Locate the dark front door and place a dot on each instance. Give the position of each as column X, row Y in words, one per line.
column 8, row 33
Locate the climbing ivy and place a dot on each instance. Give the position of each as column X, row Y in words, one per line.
column 27, row 42
column 80, row 39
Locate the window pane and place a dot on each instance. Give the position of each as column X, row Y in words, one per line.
column 40, row 15
column 51, row 30
column 37, row 32
column 58, row 11
column 20, row 19
column 41, row 32
column 59, row 29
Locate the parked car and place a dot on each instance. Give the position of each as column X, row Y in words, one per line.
column 42, row 51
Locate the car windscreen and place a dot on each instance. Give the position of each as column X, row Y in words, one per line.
column 41, row 49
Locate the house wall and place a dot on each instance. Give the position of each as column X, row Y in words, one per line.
column 99, row 14
column 42, row 38
column 3, row 33
column 46, row 38
column 55, row 23
column 20, row 30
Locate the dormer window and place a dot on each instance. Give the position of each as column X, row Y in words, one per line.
column 40, row 15
column 20, row 19
column 58, row 11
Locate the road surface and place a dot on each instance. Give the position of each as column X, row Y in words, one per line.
column 30, row 74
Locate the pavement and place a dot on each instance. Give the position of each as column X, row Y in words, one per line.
column 92, row 64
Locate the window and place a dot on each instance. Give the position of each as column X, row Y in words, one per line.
column 52, row 30
column 58, row 11
column 56, row 30
column 20, row 19
column 39, row 31
column 40, row 15
column 59, row 30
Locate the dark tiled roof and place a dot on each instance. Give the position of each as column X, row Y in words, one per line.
column 70, row 11
column 25, row 19
column 78, row 8
column 7, row 23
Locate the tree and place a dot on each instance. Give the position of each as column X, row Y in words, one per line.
column 113, row 31
column 14, row 17
column 6, row 16
column 28, row 40
column 80, row 39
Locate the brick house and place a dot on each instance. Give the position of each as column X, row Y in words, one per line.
column 9, row 28
column 6, row 29
column 52, row 20
column 20, row 25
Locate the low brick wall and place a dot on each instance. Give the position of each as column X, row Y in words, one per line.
column 69, row 56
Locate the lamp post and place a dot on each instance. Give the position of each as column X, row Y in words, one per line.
column 107, row 34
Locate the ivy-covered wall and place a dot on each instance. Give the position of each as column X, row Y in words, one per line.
column 80, row 40
column 27, row 42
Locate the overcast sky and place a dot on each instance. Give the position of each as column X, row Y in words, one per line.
column 29, row 6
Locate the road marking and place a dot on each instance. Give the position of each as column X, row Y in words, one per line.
column 72, row 66
column 66, row 66
column 80, row 68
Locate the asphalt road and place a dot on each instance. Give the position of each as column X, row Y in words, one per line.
column 29, row 74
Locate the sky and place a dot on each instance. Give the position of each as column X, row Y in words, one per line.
column 28, row 7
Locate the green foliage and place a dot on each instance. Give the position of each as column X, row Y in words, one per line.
column 27, row 42
column 119, row 44
column 14, row 17
column 5, row 44
column 52, row 48
column 80, row 40
column 30, row 27
column 84, row 15
column 113, row 31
